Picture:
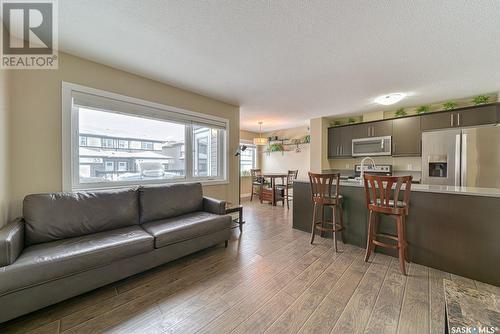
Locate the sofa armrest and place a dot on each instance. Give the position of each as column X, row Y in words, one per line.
column 11, row 242
column 213, row 205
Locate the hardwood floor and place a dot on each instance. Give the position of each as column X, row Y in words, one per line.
column 269, row 280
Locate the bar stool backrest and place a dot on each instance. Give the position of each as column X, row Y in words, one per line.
column 321, row 187
column 379, row 191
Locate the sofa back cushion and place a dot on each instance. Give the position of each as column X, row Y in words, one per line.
column 160, row 202
column 57, row 216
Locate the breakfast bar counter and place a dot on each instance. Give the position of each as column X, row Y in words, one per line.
column 454, row 229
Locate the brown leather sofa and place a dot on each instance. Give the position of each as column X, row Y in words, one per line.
column 70, row 243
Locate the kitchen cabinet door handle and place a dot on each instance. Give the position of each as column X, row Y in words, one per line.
column 451, row 120
column 458, row 119
column 341, row 150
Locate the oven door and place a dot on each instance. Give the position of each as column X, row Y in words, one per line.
column 372, row 146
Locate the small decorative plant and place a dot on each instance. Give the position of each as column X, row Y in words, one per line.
column 351, row 120
column 423, row 109
column 276, row 148
column 481, row 99
column 306, row 139
column 400, row 112
column 449, row 105
column 336, row 123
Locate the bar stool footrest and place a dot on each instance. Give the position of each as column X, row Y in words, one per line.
column 388, row 236
column 384, row 244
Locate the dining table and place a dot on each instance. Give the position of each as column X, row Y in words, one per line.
column 273, row 177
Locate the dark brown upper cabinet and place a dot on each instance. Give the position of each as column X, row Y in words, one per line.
column 373, row 129
column 406, row 137
column 340, row 142
column 333, row 142
column 471, row 116
column 346, row 141
column 440, row 120
column 478, row 116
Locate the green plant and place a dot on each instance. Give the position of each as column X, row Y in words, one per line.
column 335, row 123
column 449, row 105
column 400, row 112
column 423, row 109
column 351, row 120
column 306, row 139
column 481, row 99
column 276, row 148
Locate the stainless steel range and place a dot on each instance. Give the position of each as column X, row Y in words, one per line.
column 385, row 170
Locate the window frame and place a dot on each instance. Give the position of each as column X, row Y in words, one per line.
column 251, row 145
column 70, row 141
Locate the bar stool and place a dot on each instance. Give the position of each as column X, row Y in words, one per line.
column 321, row 191
column 381, row 199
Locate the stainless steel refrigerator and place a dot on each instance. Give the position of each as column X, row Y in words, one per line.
column 468, row 157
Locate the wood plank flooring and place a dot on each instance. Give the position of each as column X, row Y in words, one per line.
column 269, row 280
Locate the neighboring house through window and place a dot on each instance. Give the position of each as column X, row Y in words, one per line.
column 126, row 141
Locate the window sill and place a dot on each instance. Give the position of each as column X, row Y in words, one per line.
column 96, row 187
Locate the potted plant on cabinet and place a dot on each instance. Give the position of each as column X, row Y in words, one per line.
column 423, row 109
column 449, row 105
column 401, row 112
column 481, row 99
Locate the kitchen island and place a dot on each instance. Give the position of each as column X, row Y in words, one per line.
column 454, row 229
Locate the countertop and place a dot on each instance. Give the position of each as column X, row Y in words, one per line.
column 473, row 191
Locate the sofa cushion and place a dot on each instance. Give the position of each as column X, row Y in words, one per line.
column 189, row 226
column 160, row 202
column 58, row 216
column 48, row 261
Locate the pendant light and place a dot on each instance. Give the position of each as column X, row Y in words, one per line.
column 260, row 140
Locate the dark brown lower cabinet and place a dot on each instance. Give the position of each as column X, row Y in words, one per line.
column 451, row 232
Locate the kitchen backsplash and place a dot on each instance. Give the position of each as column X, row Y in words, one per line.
column 399, row 163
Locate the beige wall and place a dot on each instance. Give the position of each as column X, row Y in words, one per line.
column 35, row 121
column 246, row 181
column 281, row 162
column 319, row 144
column 248, row 135
column 4, row 158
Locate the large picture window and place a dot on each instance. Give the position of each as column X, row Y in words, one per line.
column 119, row 141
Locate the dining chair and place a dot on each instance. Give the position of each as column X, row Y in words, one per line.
column 286, row 187
column 381, row 198
column 257, row 183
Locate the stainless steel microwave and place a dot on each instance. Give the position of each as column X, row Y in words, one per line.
column 372, row 146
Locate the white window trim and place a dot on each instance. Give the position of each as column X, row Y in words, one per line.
column 255, row 154
column 70, row 142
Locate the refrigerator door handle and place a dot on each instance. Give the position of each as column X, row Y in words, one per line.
column 457, row 160
column 463, row 172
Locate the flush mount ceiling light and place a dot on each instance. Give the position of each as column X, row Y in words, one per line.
column 390, row 98
column 260, row 140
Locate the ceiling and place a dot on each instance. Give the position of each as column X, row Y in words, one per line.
column 286, row 61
